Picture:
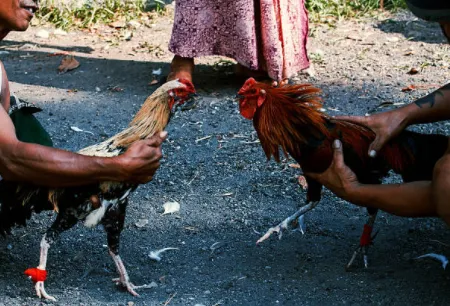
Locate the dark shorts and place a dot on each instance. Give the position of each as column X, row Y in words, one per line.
column 430, row 10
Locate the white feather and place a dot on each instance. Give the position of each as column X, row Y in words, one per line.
column 155, row 255
column 439, row 257
column 96, row 216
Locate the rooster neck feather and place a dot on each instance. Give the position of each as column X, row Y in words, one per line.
column 152, row 118
column 289, row 119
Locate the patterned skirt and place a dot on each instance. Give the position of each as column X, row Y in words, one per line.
column 268, row 35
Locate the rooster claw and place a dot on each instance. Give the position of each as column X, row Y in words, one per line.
column 130, row 287
column 41, row 293
column 296, row 220
column 282, row 227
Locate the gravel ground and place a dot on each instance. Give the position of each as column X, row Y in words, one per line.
column 227, row 190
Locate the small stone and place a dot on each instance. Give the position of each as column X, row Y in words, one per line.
column 134, row 24
column 130, row 304
column 60, row 32
column 43, row 34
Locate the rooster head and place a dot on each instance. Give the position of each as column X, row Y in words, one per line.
column 182, row 93
column 251, row 96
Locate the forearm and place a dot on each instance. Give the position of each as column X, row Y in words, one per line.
column 431, row 108
column 406, row 200
column 51, row 167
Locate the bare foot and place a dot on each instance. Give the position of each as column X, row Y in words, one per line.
column 181, row 68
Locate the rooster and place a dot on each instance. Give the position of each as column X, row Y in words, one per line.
column 288, row 117
column 77, row 203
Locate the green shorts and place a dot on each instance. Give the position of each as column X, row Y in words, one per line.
column 28, row 128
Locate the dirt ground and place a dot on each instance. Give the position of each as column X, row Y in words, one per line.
column 219, row 175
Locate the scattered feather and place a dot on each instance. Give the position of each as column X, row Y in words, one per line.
column 438, row 257
column 227, row 194
column 296, row 166
column 216, row 246
column 155, row 255
column 141, row 223
column 154, row 82
column 171, row 207
column 203, row 138
column 77, row 129
column 157, row 71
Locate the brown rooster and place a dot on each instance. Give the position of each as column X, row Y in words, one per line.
column 288, row 116
column 111, row 198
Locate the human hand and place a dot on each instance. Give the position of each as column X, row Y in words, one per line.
column 141, row 160
column 385, row 125
column 339, row 178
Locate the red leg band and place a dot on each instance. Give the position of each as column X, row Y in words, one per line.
column 37, row 275
column 366, row 237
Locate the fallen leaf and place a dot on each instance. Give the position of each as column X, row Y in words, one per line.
column 77, row 129
column 409, row 53
column 154, row 82
column 413, row 71
column 141, row 223
column 68, row 63
column 171, row 207
column 155, row 255
column 408, row 88
column 302, row 182
column 296, row 166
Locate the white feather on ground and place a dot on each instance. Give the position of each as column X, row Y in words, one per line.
column 438, row 257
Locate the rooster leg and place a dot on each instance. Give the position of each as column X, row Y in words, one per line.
column 113, row 224
column 62, row 223
column 286, row 222
column 365, row 241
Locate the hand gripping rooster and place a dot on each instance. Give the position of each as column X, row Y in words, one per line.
column 288, row 117
column 75, row 204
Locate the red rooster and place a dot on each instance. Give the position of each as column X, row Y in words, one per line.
column 288, row 117
column 74, row 204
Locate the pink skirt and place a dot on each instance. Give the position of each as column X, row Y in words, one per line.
column 267, row 35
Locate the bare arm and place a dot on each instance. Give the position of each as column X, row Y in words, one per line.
column 433, row 107
column 51, row 167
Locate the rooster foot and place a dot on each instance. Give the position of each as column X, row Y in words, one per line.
column 130, row 287
column 294, row 221
column 41, row 293
column 362, row 248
